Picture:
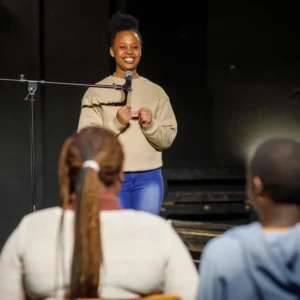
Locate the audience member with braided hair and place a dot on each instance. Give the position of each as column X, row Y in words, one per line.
column 74, row 251
column 146, row 125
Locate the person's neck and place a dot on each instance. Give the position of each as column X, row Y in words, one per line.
column 107, row 201
column 281, row 216
column 120, row 74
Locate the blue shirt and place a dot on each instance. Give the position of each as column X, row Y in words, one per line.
column 248, row 263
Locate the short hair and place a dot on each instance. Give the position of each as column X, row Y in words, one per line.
column 277, row 162
column 121, row 22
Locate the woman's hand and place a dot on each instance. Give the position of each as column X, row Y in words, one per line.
column 124, row 114
column 145, row 115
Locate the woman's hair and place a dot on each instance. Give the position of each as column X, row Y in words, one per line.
column 120, row 22
column 102, row 146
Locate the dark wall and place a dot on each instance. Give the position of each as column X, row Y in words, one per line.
column 56, row 41
column 75, row 50
column 253, row 68
column 229, row 70
column 19, row 53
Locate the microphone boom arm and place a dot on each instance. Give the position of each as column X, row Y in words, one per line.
column 32, row 84
column 32, row 88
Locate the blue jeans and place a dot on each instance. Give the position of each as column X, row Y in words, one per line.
column 142, row 191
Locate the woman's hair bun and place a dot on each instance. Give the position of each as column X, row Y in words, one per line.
column 120, row 22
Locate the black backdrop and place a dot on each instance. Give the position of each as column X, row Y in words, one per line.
column 229, row 68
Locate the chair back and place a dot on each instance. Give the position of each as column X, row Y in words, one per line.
column 161, row 297
column 151, row 297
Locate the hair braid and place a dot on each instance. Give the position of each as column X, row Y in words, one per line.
column 88, row 186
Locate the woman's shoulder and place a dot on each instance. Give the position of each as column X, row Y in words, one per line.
column 44, row 213
column 142, row 218
column 147, row 82
column 153, row 86
column 98, row 95
column 40, row 217
column 110, row 80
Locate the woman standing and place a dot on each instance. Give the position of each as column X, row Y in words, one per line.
column 145, row 122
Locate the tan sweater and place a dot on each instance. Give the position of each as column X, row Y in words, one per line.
column 142, row 146
column 142, row 253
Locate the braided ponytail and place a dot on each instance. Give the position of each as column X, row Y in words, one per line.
column 87, row 256
column 90, row 187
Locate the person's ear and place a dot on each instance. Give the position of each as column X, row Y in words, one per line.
column 112, row 52
column 257, row 186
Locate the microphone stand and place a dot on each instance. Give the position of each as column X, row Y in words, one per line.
column 32, row 88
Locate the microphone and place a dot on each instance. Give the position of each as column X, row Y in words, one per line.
column 128, row 78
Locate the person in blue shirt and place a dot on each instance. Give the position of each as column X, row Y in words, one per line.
column 260, row 260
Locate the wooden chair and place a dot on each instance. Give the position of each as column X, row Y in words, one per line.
column 151, row 297
column 161, row 297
